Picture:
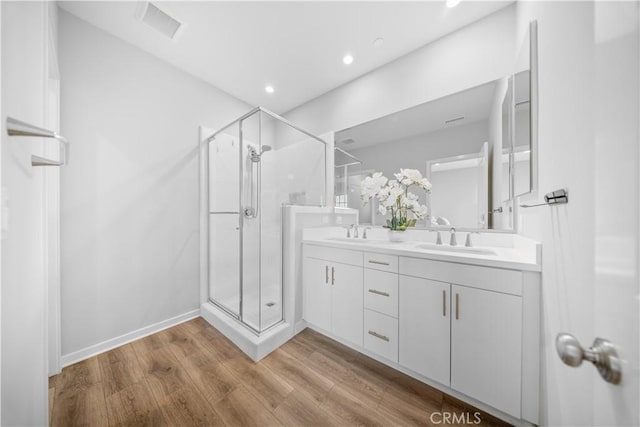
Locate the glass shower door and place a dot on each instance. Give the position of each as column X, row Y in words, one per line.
column 225, row 221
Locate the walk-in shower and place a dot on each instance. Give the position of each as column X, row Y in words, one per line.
column 257, row 165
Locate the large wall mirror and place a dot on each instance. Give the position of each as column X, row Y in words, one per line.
column 477, row 147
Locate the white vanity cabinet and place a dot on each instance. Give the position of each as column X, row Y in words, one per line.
column 461, row 325
column 332, row 292
column 470, row 329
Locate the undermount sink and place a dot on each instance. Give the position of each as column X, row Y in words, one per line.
column 459, row 249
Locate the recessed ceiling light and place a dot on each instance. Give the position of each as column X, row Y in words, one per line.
column 269, row 89
column 453, row 3
column 378, row 42
column 348, row 59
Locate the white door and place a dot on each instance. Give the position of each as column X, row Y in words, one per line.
column 317, row 293
column 590, row 246
column 347, row 302
column 425, row 327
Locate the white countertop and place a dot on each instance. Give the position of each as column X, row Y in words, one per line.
column 518, row 257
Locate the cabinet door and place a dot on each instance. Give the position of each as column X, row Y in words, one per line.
column 347, row 302
column 486, row 347
column 316, row 277
column 425, row 327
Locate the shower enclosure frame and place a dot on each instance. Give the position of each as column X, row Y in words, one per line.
column 241, row 213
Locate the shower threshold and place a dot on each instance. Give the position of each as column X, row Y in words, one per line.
column 254, row 346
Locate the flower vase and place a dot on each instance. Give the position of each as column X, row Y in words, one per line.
column 396, row 236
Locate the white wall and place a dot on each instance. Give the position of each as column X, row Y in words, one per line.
column 130, row 219
column 435, row 70
column 25, row 29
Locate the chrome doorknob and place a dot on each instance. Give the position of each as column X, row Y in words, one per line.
column 602, row 354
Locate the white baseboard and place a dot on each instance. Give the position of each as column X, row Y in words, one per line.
column 299, row 327
column 94, row 350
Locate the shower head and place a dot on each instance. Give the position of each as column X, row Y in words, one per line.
column 253, row 154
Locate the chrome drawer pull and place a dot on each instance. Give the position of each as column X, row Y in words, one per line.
column 373, row 291
column 372, row 261
column 333, row 276
column 377, row 335
column 326, row 274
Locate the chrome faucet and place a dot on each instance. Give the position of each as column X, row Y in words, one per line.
column 452, row 240
column 438, row 238
column 467, row 243
column 349, row 228
column 364, row 232
column 355, row 231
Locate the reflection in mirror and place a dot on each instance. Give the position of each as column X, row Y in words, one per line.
column 459, row 194
column 348, row 176
column 449, row 140
column 478, row 148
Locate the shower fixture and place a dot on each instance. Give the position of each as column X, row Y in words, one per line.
column 254, row 155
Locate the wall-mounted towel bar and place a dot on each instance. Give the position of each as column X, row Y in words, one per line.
column 557, row 197
column 19, row 128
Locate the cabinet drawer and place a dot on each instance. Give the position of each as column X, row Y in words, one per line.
column 381, row 335
column 381, row 292
column 381, row 262
column 343, row 256
column 489, row 278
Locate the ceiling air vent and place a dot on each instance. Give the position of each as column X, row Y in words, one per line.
column 456, row 119
column 160, row 20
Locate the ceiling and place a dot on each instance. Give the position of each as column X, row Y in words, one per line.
column 297, row 47
column 473, row 104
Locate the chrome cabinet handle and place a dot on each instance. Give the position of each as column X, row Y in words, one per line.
column 444, row 303
column 372, row 261
column 326, row 274
column 333, row 276
column 377, row 335
column 602, row 354
column 457, row 306
column 384, row 294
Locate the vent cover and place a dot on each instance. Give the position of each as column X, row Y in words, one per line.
column 456, row 119
column 347, row 141
column 161, row 21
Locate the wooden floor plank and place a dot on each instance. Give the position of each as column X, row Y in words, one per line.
column 163, row 372
column 120, row 369
column 241, row 408
column 299, row 375
column 186, row 407
column 269, row 388
column 298, row 409
column 134, row 406
column 346, row 409
column 80, row 407
column 191, row 375
column 210, row 376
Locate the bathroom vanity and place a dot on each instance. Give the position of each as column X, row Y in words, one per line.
column 464, row 320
